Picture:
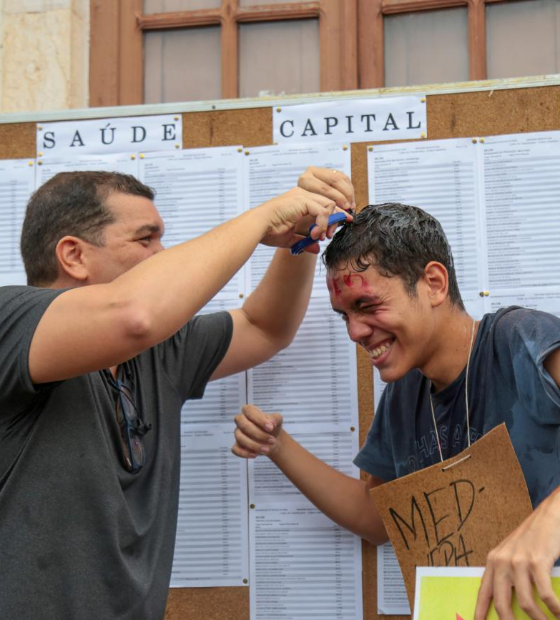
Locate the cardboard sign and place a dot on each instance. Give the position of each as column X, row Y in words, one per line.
column 455, row 512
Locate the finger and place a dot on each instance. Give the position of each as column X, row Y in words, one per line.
column 332, row 229
column 541, row 577
column 524, row 591
column 484, row 595
column 258, row 417
column 252, row 430
column 277, row 419
column 502, row 594
column 243, row 453
column 331, row 183
column 248, row 443
column 322, row 221
column 313, row 248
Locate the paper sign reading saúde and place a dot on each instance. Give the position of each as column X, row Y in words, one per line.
column 451, row 593
column 109, row 135
column 453, row 515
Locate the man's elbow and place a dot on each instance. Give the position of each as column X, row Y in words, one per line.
column 376, row 538
column 138, row 326
column 283, row 341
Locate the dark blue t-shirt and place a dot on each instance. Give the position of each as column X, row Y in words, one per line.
column 507, row 383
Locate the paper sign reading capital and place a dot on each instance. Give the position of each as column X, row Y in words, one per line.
column 453, row 515
column 352, row 120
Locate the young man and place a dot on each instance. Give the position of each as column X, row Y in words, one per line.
column 391, row 278
column 97, row 357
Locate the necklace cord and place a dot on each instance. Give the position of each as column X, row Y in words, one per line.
column 466, row 399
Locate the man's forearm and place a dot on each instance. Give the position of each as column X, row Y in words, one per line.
column 345, row 500
column 277, row 306
column 173, row 285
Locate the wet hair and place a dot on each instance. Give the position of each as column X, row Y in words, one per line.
column 70, row 203
column 396, row 239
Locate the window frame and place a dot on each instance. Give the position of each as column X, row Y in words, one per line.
column 371, row 57
column 351, row 40
column 116, row 48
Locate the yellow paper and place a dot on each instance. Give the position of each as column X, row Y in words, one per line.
column 454, row 598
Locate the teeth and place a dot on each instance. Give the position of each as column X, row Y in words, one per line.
column 379, row 350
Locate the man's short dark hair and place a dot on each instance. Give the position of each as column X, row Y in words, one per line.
column 396, row 239
column 70, row 203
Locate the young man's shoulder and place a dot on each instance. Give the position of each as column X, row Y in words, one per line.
column 516, row 319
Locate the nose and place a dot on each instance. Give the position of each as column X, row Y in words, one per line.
column 158, row 247
column 358, row 329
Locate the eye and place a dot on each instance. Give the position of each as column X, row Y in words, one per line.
column 369, row 309
column 145, row 240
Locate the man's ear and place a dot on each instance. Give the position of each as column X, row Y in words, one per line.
column 71, row 260
column 437, row 280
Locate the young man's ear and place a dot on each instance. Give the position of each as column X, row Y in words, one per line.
column 71, row 259
column 437, row 281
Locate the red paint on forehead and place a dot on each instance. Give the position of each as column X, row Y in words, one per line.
column 348, row 280
column 333, row 284
column 354, row 279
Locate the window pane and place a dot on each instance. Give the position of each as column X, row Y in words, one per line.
column 522, row 38
column 426, row 48
column 290, row 63
column 168, row 6
column 182, row 65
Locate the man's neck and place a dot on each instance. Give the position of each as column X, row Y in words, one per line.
column 452, row 352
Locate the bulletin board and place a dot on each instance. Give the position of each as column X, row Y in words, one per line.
column 453, row 111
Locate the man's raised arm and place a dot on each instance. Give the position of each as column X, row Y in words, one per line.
column 272, row 314
column 99, row 326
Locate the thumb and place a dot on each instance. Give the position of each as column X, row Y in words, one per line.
column 274, row 421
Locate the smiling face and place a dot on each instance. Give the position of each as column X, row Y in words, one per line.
column 397, row 331
column 134, row 236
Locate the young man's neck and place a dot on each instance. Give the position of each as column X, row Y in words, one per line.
column 452, row 352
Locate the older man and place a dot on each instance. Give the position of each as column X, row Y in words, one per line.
column 98, row 355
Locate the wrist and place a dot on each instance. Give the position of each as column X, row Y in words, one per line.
column 275, row 454
column 264, row 217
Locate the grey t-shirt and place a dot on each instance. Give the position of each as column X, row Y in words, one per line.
column 507, row 383
column 81, row 538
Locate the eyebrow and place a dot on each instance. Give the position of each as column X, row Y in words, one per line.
column 368, row 299
column 149, row 228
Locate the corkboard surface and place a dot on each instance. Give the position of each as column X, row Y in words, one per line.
column 18, row 141
column 252, row 127
column 456, row 115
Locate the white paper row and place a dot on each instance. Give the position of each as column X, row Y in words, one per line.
column 497, row 200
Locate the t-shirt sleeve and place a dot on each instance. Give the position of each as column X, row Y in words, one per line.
column 21, row 309
column 195, row 351
column 527, row 337
column 376, row 456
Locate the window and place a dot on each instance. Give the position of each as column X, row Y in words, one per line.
column 185, row 50
column 152, row 51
